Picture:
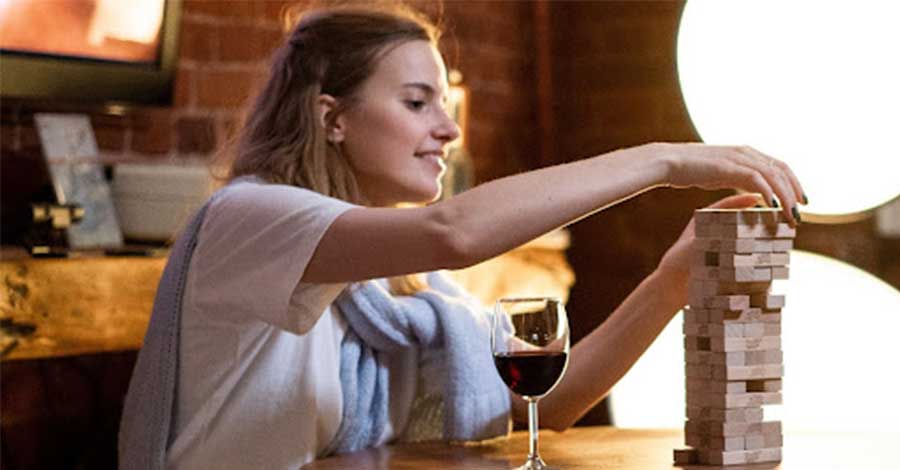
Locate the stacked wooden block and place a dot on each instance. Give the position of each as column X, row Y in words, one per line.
column 732, row 336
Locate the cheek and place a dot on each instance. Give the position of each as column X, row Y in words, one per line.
column 381, row 139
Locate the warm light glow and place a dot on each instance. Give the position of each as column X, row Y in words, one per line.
column 812, row 83
column 840, row 339
column 135, row 20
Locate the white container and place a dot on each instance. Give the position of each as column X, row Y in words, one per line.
column 153, row 202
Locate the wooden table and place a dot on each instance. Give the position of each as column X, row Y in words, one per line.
column 604, row 447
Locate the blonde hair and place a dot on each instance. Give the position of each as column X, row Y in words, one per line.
column 331, row 51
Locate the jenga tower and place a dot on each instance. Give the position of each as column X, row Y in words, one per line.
column 732, row 336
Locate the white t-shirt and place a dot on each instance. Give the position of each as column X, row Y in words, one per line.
column 258, row 384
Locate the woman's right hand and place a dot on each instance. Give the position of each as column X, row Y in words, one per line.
column 718, row 167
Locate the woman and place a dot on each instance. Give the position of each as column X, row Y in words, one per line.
column 270, row 345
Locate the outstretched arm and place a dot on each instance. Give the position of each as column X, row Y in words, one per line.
column 497, row 216
column 601, row 358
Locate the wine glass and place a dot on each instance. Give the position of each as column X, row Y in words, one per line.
column 530, row 342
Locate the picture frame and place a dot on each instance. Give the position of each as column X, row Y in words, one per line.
column 70, row 151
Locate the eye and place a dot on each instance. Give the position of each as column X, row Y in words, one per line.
column 415, row 105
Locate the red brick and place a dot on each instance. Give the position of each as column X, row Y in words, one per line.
column 275, row 10
column 247, row 43
column 220, row 8
column 225, row 88
column 110, row 137
column 29, row 138
column 196, row 134
column 201, row 7
column 198, row 41
column 152, row 132
column 185, row 94
column 9, row 138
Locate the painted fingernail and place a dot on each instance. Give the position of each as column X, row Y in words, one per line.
column 774, row 202
column 796, row 214
column 805, row 199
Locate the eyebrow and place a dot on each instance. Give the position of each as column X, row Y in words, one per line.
column 421, row 85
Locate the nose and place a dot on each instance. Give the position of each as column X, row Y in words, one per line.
column 446, row 129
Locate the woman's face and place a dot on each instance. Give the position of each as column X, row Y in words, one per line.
column 396, row 133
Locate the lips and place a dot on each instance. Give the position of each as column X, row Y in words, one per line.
column 435, row 153
column 436, row 157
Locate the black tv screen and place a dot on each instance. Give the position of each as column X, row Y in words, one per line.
column 96, row 51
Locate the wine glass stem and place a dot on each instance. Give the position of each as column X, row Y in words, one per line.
column 533, row 429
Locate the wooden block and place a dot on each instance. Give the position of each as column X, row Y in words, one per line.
column 733, row 274
column 695, row 315
column 706, row 385
column 732, row 245
column 728, row 302
column 782, row 245
column 739, row 457
column 704, row 442
column 751, row 315
column 781, row 230
column 760, row 329
column 685, row 457
column 734, row 415
column 744, row 344
column 734, row 358
column 704, row 258
column 763, row 441
column 728, row 329
column 766, row 301
column 748, row 216
column 708, row 230
column 716, row 330
column 698, row 288
column 733, row 288
column 696, row 343
column 755, row 260
column 780, row 272
column 772, row 385
column 733, row 400
column 700, row 371
column 765, row 371
column 713, row 287
column 720, row 428
column 772, row 356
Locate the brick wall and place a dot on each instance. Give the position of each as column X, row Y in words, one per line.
column 224, row 51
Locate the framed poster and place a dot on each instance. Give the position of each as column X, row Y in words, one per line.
column 70, row 150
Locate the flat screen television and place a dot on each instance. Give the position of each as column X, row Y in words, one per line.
column 89, row 51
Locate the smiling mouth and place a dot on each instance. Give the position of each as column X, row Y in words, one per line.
column 435, row 155
column 436, row 158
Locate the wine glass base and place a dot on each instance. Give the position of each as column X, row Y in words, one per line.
column 535, row 463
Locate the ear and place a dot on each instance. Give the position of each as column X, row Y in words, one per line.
column 334, row 126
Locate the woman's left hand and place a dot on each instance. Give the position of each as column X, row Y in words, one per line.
column 675, row 265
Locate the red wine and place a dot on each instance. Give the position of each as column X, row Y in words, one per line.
column 530, row 373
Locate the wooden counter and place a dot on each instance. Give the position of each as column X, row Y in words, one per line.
column 52, row 307
column 609, row 448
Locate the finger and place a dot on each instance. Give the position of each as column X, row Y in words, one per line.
column 786, row 173
column 795, row 182
column 739, row 201
column 765, row 166
column 786, row 176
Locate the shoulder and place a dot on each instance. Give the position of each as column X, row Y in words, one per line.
column 254, row 194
